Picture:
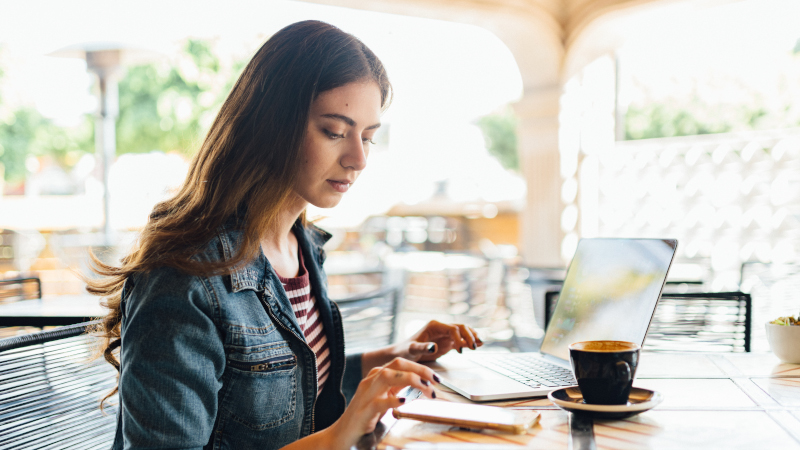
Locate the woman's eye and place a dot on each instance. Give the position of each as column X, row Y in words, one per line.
column 333, row 135
column 365, row 140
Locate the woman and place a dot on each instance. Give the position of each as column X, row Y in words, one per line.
column 220, row 317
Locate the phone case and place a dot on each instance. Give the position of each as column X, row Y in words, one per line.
column 468, row 415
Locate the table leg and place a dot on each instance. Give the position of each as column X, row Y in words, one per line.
column 581, row 432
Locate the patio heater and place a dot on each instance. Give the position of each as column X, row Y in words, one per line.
column 105, row 60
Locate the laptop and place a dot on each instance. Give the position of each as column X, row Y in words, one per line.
column 610, row 292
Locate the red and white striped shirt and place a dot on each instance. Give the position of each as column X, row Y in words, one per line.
column 304, row 305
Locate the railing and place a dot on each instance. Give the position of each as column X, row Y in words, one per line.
column 14, row 289
column 727, row 198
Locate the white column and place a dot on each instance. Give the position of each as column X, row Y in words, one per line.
column 587, row 130
column 537, row 131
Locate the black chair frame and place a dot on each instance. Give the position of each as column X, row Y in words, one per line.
column 742, row 299
column 361, row 312
column 50, row 391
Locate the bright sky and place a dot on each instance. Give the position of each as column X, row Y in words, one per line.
column 437, row 68
column 748, row 41
column 445, row 75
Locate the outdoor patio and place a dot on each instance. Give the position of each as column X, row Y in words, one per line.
column 443, row 228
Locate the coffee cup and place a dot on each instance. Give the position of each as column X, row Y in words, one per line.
column 604, row 370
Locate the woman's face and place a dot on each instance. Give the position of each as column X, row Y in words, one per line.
column 341, row 125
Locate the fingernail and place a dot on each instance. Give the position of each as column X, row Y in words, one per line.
column 402, row 399
column 425, row 382
column 431, row 348
column 436, row 378
column 459, row 349
column 474, row 346
column 433, row 394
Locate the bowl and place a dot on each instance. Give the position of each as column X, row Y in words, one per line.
column 784, row 340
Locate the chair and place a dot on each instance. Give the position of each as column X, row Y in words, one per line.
column 14, row 289
column 525, row 286
column 469, row 291
column 370, row 319
column 774, row 288
column 342, row 284
column 695, row 321
column 50, row 391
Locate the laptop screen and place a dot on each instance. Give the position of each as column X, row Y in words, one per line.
column 610, row 292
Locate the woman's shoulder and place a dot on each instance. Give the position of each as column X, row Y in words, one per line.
column 162, row 281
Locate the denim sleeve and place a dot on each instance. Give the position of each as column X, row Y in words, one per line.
column 172, row 360
column 352, row 375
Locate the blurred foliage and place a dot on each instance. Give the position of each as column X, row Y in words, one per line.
column 716, row 103
column 166, row 107
column 674, row 117
column 24, row 132
column 500, row 132
column 169, row 107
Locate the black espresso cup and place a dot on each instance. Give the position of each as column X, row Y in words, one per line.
column 604, row 370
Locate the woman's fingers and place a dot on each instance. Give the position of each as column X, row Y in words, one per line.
column 400, row 373
column 458, row 340
column 468, row 335
column 417, row 350
column 445, row 337
column 378, row 392
column 477, row 338
column 399, row 379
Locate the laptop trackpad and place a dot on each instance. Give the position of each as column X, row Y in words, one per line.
column 465, row 377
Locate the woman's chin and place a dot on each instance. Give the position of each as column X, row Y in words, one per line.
column 327, row 203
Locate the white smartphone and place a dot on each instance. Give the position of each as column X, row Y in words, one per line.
column 466, row 415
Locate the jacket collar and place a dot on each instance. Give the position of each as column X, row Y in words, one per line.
column 253, row 274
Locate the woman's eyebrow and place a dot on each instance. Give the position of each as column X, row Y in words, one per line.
column 349, row 121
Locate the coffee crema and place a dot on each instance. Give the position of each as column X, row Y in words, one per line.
column 604, row 346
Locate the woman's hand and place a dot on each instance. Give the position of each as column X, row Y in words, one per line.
column 432, row 341
column 376, row 394
column 435, row 339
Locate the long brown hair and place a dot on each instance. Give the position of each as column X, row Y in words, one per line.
column 247, row 163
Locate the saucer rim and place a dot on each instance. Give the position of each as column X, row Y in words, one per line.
column 636, row 407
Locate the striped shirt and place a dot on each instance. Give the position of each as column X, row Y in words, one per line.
column 298, row 289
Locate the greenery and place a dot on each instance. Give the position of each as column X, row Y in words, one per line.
column 716, row 102
column 674, row 117
column 169, row 107
column 24, row 132
column 165, row 107
column 500, row 132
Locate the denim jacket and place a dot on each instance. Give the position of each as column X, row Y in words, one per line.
column 220, row 362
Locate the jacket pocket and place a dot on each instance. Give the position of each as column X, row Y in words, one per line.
column 261, row 385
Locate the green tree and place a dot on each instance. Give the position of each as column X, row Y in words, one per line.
column 500, row 132
column 714, row 102
column 24, row 132
column 166, row 107
column 169, row 107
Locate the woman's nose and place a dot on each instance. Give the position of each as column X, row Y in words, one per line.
column 356, row 156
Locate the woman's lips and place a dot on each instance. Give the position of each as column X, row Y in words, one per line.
column 339, row 185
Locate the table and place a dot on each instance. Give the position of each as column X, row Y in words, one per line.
column 730, row 401
column 51, row 311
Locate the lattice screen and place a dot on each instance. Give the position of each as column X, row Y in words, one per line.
column 727, row 198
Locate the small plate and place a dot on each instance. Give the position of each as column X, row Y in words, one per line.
column 570, row 399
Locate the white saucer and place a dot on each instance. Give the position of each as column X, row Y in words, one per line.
column 570, row 399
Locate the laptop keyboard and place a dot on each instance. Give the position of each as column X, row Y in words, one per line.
column 528, row 369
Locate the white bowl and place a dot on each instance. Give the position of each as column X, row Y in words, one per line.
column 784, row 340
